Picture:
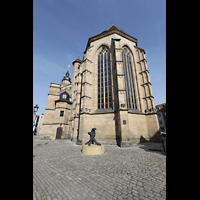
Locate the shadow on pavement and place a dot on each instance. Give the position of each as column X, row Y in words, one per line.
column 157, row 147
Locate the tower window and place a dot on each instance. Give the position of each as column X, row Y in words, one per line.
column 61, row 113
column 64, row 96
column 104, row 79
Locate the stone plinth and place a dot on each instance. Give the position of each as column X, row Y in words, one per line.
column 93, row 149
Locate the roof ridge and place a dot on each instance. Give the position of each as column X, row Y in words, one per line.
column 112, row 27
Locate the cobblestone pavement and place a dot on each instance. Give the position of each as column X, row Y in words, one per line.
column 61, row 171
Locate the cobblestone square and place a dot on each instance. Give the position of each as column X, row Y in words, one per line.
column 62, row 172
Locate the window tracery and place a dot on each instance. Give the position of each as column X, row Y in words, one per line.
column 104, row 79
column 129, row 81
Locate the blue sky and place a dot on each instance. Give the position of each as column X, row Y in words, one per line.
column 61, row 29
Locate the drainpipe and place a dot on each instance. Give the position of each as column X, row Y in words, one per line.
column 79, row 142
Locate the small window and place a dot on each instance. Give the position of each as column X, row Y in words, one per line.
column 64, row 96
column 61, row 113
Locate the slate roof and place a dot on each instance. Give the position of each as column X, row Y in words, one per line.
column 109, row 31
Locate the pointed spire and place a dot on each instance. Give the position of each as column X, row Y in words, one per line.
column 66, row 77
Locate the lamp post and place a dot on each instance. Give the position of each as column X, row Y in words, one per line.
column 35, row 109
column 79, row 142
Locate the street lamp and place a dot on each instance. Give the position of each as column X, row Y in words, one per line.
column 36, row 107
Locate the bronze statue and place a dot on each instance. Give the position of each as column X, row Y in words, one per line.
column 92, row 137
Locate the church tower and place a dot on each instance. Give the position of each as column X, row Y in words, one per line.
column 56, row 121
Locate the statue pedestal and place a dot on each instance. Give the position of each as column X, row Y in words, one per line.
column 93, row 149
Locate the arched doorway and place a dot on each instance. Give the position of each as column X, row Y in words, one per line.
column 59, row 133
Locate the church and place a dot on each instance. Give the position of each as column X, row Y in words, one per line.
column 110, row 91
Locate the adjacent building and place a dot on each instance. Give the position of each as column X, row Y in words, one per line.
column 110, row 90
column 161, row 113
column 40, row 122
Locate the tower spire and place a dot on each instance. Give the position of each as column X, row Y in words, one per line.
column 66, row 78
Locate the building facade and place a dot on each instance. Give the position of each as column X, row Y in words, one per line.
column 161, row 114
column 110, row 90
column 40, row 122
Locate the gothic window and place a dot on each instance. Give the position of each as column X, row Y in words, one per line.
column 129, row 81
column 104, row 79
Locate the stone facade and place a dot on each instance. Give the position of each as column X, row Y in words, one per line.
column 58, row 110
column 110, row 90
column 161, row 114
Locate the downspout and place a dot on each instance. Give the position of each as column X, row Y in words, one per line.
column 79, row 142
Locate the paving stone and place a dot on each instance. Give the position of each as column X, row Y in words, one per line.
column 61, row 171
column 149, row 194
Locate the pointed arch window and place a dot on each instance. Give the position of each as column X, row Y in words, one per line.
column 129, row 81
column 104, row 79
